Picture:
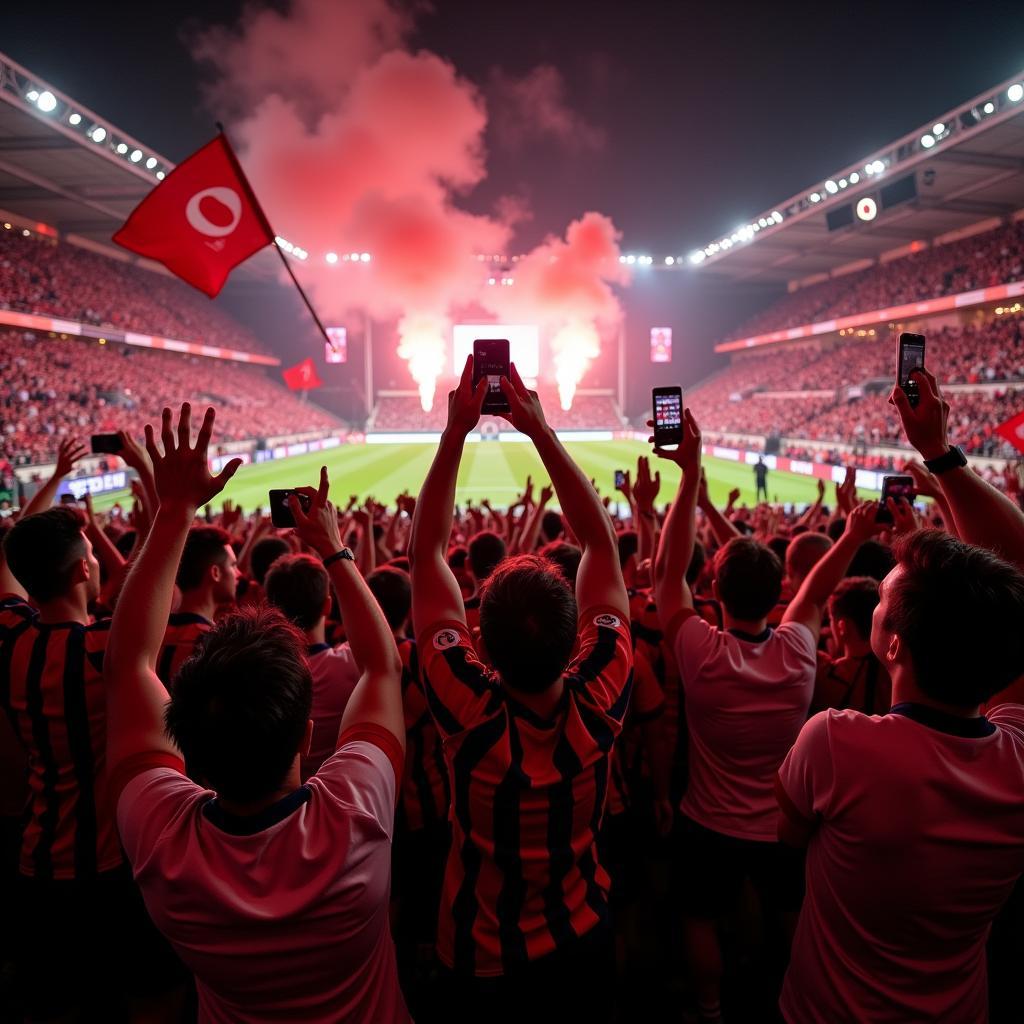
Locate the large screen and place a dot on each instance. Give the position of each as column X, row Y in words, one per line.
column 523, row 345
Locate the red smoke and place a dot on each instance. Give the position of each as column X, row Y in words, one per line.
column 354, row 145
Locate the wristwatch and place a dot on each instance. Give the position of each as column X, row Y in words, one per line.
column 953, row 459
column 344, row 554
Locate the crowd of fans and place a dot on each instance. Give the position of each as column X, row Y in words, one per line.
column 990, row 258
column 38, row 275
column 446, row 763
column 54, row 388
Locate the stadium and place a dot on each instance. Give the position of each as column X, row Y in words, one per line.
column 520, row 718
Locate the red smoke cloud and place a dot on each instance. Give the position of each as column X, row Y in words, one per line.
column 354, row 145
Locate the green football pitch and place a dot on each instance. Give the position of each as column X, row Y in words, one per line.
column 493, row 470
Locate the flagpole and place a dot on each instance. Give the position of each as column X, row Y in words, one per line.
column 273, row 234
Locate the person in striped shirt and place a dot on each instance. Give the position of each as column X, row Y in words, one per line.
column 79, row 912
column 208, row 581
column 524, row 925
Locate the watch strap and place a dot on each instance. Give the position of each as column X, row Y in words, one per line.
column 344, row 555
column 953, row 459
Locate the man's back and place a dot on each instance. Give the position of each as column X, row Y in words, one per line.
column 281, row 915
column 51, row 681
column 920, row 838
column 746, row 699
column 528, row 796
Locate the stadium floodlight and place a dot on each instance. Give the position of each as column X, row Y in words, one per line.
column 160, row 175
column 151, row 163
column 815, row 197
column 831, row 187
column 490, row 280
column 697, row 256
column 843, row 183
column 1015, row 93
column 631, row 259
column 670, row 261
column 331, row 257
column 75, row 118
column 854, row 177
column 99, row 133
column 122, row 148
column 938, row 128
column 777, row 217
column 47, row 102
column 136, row 156
column 365, row 257
column 989, row 108
column 927, row 141
column 32, row 95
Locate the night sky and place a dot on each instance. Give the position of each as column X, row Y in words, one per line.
column 708, row 116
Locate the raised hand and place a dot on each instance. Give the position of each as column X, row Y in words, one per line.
column 547, row 492
column 318, row 525
column 925, row 483
column 646, row 488
column 133, row 453
column 926, row 424
column 465, row 402
column 904, row 519
column 182, row 472
column 821, row 490
column 861, row 523
column 687, row 455
column 525, row 411
column 528, row 492
column 69, row 451
column 626, row 487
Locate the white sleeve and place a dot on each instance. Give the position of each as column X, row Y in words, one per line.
column 148, row 806
column 696, row 639
column 360, row 775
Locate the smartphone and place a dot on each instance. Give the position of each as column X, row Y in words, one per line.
column 280, row 512
column 911, row 357
column 67, row 498
column 106, row 444
column 620, row 478
column 491, row 360
column 894, row 487
column 668, row 416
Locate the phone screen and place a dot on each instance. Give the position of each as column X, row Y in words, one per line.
column 106, row 444
column 620, row 478
column 668, row 415
column 280, row 511
column 911, row 357
column 895, row 487
column 491, row 360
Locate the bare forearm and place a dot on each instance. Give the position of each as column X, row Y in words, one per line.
column 43, row 498
column 828, row 572
column 722, row 529
column 368, row 633
column 675, row 547
column 366, row 549
column 580, row 504
column 432, row 520
column 982, row 515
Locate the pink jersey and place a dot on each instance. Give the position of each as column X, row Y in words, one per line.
column 746, row 700
column 918, row 839
column 282, row 915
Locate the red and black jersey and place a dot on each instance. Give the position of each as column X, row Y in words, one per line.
column 523, row 877
column 51, row 683
column 423, row 799
column 183, row 632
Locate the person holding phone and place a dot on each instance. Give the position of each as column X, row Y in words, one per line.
column 524, row 926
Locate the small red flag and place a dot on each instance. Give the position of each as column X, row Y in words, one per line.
column 302, row 376
column 1013, row 431
column 201, row 222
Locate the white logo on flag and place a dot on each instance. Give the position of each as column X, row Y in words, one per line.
column 202, row 223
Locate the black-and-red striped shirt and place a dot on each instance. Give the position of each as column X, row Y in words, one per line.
column 423, row 797
column 523, row 877
column 183, row 632
column 51, row 683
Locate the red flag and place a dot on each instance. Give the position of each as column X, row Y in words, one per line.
column 201, row 222
column 302, row 376
column 1013, row 431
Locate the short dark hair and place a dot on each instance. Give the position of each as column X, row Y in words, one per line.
column 204, row 546
column 780, row 545
column 958, row 610
column 393, row 591
column 298, row 586
column 41, row 551
column 836, row 528
column 855, row 599
column 457, row 555
column 486, row 550
column 551, row 525
column 240, row 704
column 873, row 558
column 629, row 544
column 528, row 622
column 265, row 552
column 566, row 556
column 804, row 553
column 749, row 578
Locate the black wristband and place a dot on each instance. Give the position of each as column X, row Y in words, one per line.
column 953, row 459
column 344, row 555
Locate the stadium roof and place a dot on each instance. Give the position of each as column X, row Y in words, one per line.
column 963, row 168
column 64, row 167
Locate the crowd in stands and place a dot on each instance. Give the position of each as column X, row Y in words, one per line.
column 53, row 388
column 990, row 258
column 437, row 763
column 38, row 275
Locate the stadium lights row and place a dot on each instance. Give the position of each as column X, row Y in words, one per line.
column 46, row 102
column 940, row 131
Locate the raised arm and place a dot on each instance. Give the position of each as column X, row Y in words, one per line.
column 528, row 540
column 722, row 530
column 377, row 697
column 69, row 452
column 981, row 514
column 599, row 580
column 675, row 548
column 435, row 591
column 646, row 522
column 809, row 604
column 135, row 696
